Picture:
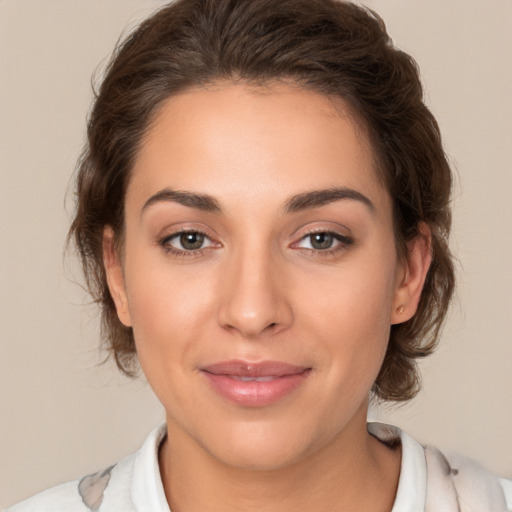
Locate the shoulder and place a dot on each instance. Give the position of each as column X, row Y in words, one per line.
column 132, row 484
column 109, row 487
column 506, row 485
column 473, row 487
column 62, row 497
column 435, row 481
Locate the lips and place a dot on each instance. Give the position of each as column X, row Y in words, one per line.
column 254, row 384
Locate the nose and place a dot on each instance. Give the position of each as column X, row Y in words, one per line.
column 254, row 296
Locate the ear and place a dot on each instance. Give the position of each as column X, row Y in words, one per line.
column 411, row 276
column 115, row 276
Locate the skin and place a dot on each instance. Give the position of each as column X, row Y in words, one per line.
column 259, row 289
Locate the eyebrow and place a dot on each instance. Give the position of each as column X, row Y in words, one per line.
column 297, row 203
column 202, row 202
column 317, row 198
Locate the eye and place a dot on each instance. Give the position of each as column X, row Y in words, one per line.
column 321, row 241
column 324, row 241
column 186, row 241
column 191, row 241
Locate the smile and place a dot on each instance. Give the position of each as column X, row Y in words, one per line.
column 256, row 379
column 254, row 384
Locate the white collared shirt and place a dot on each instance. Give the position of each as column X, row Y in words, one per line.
column 429, row 482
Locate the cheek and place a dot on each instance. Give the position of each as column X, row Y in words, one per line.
column 167, row 307
column 352, row 314
column 168, row 310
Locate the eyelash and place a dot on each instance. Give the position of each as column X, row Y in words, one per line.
column 344, row 242
column 169, row 249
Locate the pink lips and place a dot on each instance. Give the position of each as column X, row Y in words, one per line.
column 254, row 384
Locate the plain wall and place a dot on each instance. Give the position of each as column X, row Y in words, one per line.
column 62, row 415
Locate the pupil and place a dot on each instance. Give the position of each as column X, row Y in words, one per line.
column 321, row 240
column 191, row 241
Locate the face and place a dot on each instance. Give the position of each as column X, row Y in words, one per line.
column 259, row 272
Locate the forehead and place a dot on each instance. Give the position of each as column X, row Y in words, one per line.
column 236, row 141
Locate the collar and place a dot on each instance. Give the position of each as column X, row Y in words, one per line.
column 148, row 491
column 412, row 484
column 147, row 488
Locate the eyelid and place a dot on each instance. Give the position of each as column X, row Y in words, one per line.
column 178, row 234
column 343, row 241
column 333, row 228
column 338, row 236
column 170, row 234
column 178, row 228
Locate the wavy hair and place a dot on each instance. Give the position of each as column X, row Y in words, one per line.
column 332, row 47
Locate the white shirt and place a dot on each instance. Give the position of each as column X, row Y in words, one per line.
column 429, row 482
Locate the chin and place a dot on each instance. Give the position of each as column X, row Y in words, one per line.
column 260, row 455
column 261, row 446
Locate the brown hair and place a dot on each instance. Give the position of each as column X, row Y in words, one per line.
column 332, row 47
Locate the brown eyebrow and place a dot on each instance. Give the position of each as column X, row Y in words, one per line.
column 316, row 198
column 202, row 202
column 299, row 202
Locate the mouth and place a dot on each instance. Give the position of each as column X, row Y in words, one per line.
column 255, row 384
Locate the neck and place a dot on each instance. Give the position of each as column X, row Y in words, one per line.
column 355, row 472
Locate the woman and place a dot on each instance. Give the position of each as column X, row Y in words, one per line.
column 263, row 214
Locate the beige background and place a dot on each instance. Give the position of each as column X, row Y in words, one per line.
column 61, row 416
